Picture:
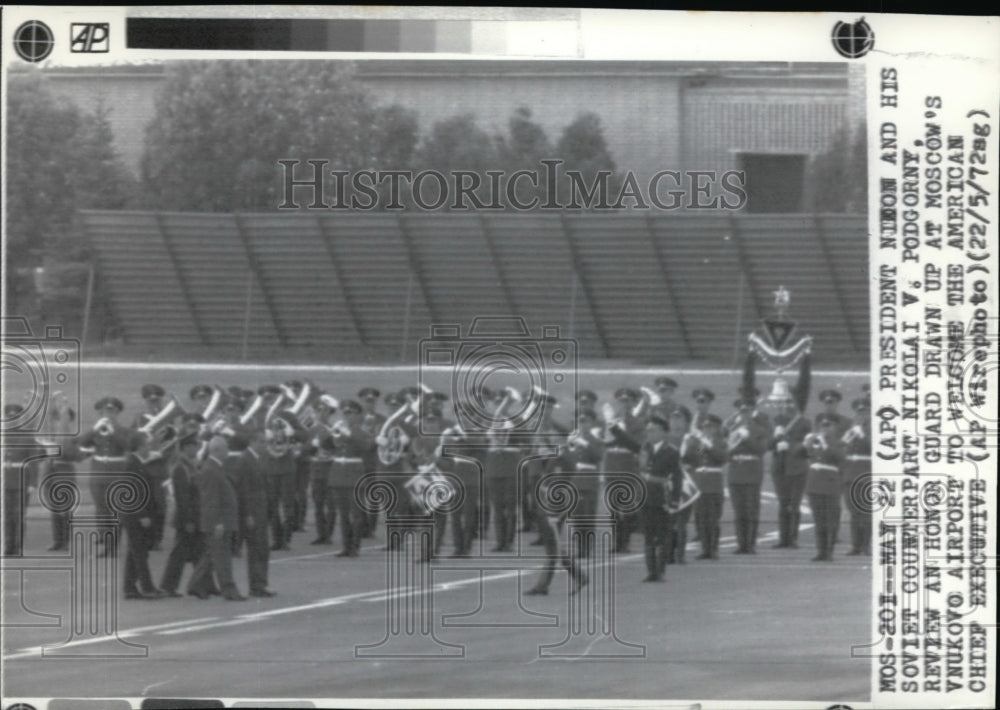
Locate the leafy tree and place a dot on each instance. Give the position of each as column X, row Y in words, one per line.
column 60, row 159
column 221, row 128
column 459, row 144
column 583, row 149
column 523, row 148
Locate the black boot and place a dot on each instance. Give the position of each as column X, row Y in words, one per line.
column 793, row 528
column 652, row 564
column 752, row 537
column 681, row 544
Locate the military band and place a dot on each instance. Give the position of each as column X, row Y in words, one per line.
column 234, row 465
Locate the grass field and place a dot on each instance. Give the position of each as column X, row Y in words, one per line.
column 764, row 628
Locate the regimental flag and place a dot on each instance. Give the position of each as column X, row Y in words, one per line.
column 778, row 332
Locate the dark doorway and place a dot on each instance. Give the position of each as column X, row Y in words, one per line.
column 773, row 183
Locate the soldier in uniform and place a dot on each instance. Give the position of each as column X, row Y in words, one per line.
column 109, row 445
column 19, row 482
column 501, row 464
column 587, row 399
column 467, row 469
column 857, row 443
column 552, row 528
column 352, row 456
column 425, row 447
column 156, row 465
column 789, row 466
column 581, row 456
column 189, row 542
column 625, row 423
column 660, row 464
column 546, row 441
column 60, row 462
column 703, row 398
column 709, row 452
column 831, row 401
column 218, row 510
column 746, row 444
column 372, row 421
column 826, row 460
column 320, row 456
column 666, row 388
column 280, row 467
column 678, row 437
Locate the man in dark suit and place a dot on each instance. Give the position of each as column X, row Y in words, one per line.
column 218, row 510
column 140, row 531
column 660, row 466
column 251, row 496
column 189, row 543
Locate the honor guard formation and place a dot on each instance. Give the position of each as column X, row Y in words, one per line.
column 240, row 469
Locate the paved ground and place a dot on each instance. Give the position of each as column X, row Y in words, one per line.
column 773, row 626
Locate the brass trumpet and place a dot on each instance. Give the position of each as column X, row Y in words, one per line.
column 855, row 432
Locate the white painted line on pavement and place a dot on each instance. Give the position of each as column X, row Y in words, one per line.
column 122, row 634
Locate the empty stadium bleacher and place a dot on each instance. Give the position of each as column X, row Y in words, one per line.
column 648, row 288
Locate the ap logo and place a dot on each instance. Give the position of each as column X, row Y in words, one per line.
column 91, row 37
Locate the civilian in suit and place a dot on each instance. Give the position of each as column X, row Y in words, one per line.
column 218, row 510
column 244, row 467
column 189, row 542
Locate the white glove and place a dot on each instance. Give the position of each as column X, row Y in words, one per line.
column 782, row 446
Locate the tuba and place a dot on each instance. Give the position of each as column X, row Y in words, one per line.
column 815, row 443
column 278, row 436
column 392, row 440
column 104, row 427
column 159, row 428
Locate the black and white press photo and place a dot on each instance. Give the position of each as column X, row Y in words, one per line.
column 480, row 356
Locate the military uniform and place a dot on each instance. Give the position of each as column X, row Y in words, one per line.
column 747, row 442
column 581, row 457
column 621, row 455
column 857, row 443
column 501, row 469
column 372, row 422
column 319, row 453
column 19, row 477
column 110, row 456
column 552, row 529
column 823, row 485
column 661, row 470
column 789, row 465
column 352, row 456
column 424, row 449
column 709, row 459
column 155, row 463
column 280, row 464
